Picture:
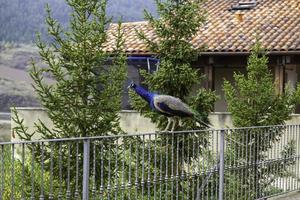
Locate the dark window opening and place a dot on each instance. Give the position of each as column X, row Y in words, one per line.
column 244, row 5
column 134, row 65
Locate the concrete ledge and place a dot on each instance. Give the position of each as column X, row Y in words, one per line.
column 30, row 108
column 287, row 196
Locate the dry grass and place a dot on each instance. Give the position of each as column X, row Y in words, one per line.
column 12, row 87
column 18, row 56
column 15, row 82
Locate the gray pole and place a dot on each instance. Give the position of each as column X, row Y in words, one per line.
column 221, row 172
column 86, row 169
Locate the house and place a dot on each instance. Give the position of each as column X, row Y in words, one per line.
column 231, row 28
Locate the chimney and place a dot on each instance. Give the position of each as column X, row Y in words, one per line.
column 239, row 16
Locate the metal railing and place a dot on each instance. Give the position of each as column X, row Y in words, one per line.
column 244, row 163
column 4, row 116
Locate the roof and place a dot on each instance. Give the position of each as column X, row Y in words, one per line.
column 275, row 22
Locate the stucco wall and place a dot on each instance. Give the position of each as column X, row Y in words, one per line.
column 131, row 121
column 5, row 133
column 31, row 115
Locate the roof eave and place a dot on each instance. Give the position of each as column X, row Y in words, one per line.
column 224, row 53
column 235, row 53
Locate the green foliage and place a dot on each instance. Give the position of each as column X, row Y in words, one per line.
column 85, row 98
column 175, row 27
column 19, row 172
column 253, row 99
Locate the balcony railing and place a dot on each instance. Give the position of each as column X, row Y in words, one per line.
column 243, row 163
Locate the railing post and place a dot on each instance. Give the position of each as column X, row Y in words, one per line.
column 86, row 169
column 221, row 169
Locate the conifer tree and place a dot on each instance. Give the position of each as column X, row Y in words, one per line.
column 253, row 100
column 179, row 21
column 86, row 96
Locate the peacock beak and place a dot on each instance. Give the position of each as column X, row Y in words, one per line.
column 131, row 85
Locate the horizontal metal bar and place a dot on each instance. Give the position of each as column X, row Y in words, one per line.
column 103, row 137
column 143, row 134
column 138, row 184
column 139, row 58
column 142, row 58
column 270, row 161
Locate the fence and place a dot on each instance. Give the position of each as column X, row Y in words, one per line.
column 4, row 116
column 246, row 163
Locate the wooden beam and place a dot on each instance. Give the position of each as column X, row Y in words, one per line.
column 279, row 78
column 210, row 79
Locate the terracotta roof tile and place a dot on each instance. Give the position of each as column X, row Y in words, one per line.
column 276, row 22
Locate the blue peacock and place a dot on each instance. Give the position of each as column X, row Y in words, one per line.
column 167, row 105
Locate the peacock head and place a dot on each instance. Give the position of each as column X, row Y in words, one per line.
column 148, row 96
column 132, row 85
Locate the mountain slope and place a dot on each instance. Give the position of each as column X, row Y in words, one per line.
column 20, row 20
column 15, row 82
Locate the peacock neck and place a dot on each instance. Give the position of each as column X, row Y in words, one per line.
column 144, row 93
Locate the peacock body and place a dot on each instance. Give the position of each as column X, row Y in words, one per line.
column 165, row 104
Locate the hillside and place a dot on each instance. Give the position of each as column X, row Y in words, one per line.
column 15, row 93
column 15, row 82
column 20, row 20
